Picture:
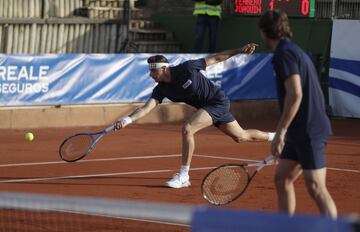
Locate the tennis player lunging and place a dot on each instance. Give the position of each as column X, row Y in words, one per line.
column 185, row 83
column 303, row 128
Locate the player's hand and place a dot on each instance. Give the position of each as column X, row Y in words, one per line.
column 249, row 48
column 277, row 145
column 122, row 123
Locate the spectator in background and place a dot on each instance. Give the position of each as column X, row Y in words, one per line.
column 208, row 15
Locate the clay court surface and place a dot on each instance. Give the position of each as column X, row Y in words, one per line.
column 135, row 162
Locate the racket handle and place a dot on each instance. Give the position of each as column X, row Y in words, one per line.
column 110, row 128
column 269, row 160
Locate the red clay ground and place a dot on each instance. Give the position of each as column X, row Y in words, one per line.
column 343, row 155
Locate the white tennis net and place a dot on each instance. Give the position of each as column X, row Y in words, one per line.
column 40, row 212
column 24, row 212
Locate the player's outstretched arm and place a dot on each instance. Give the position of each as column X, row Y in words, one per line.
column 222, row 56
column 137, row 114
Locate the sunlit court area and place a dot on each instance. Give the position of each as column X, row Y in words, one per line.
column 164, row 115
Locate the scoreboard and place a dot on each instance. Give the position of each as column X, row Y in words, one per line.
column 295, row 8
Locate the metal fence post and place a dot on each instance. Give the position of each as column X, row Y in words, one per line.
column 333, row 8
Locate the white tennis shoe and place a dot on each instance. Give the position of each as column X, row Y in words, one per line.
column 179, row 180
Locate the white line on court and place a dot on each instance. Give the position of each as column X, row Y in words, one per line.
column 90, row 160
column 249, row 160
column 153, row 157
column 96, row 175
column 226, row 158
column 126, row 158
column 344, row 170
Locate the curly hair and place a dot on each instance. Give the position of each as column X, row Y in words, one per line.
column 275, row 24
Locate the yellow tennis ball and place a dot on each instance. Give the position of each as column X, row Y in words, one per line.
column 29, row 136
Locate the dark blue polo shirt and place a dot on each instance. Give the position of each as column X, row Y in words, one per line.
column 311, row 120
column 188, row 85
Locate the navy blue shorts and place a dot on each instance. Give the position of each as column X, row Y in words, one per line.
column 310, row 153
column 219, row 111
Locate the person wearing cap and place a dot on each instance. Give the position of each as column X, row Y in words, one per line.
column 185, row 83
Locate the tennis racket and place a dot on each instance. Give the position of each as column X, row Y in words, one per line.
column 77, row 146
column 228, row 182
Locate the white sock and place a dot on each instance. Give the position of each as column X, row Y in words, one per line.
column 271, row 136
column 185, row 169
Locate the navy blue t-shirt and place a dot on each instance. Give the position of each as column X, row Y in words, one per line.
column 311, row 120
column 188, row 85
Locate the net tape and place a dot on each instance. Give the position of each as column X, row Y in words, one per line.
column 97, row 206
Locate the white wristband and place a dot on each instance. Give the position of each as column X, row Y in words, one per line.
column 126, row 121
column 271, row 136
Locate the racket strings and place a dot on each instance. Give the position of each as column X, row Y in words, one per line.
column 225, row 184
column 76, row 147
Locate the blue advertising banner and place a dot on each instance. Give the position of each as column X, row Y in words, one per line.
column 344, row 73
column 119, row 78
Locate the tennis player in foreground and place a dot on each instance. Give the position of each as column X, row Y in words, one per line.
column 185, row 83
column 304, row 127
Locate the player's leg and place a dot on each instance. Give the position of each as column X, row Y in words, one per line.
column 199, row 120
column 313, row 162
column 316, row 184
column 213, row 29
column 315, row 175
column 238, row 134
column 200, row 33
column 287, row 171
